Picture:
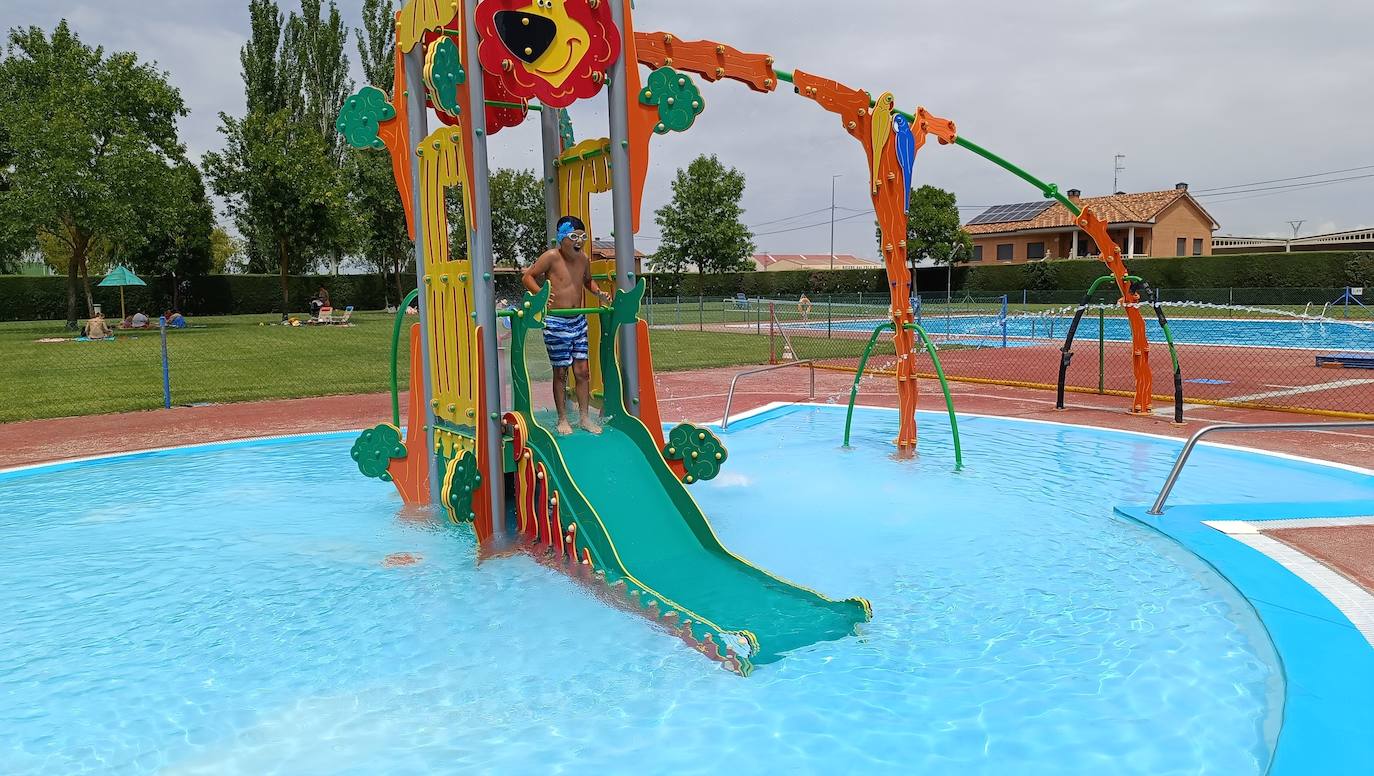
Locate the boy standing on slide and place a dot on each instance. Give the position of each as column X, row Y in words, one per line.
column 567, row 270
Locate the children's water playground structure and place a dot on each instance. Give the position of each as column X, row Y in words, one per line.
column 613, row 509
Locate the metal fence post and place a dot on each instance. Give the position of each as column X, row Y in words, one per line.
column 166, row 370
column 701, row 313
column 829, row 313
column 1101, row 351
column 758, row 315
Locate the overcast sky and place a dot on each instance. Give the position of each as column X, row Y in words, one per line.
column 1216, row 93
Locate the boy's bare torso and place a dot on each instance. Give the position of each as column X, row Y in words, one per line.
column 566, row 277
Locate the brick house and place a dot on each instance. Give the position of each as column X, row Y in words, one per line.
column 1152, row 223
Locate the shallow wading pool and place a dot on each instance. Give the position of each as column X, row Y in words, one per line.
column 228, row 609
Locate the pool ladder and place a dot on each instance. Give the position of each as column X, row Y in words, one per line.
column 1158, row 508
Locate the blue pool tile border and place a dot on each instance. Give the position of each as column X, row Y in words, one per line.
column 1328, row 666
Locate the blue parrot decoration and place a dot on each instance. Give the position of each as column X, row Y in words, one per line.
column 906, row 151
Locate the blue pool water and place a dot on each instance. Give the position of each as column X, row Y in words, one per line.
column 987, row 330
column 227, row 610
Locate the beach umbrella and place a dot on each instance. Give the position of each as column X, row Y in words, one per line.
column 122, row 277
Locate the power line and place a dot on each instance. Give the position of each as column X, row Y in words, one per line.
column 1314, row 185
column 1281, row 180
column 1289, row 186
column 813, row 226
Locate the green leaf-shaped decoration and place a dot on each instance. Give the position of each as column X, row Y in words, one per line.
column 446, row 74
column 677, row 97
column 460, row 481
column 376, row 449
column 361, row 116
column 700, row 451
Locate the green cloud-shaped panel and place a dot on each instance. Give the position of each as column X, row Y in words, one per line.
column 460, row 485
column 700, row 451
column 361, row 115
column 446, row 74
column 677, row 97
column 376, row 449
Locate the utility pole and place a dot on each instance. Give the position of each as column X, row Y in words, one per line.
column 1118, row 168
column 833, row 178
column 1288, row 246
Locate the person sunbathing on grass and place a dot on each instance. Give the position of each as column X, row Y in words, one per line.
column 567, row 270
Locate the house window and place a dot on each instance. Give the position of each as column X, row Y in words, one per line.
column 1004, row 252
column 1035, row 250
column 1197, row 246
column 977, row 253
column 1182, row 249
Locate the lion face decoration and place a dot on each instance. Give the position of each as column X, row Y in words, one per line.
column 555, row 50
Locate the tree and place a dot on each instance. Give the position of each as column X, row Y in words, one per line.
column 275, row 171
column 178, row 221
column 517, row 217
column 383, row 239
column 701, row 226
column 89, row 137
column 933, row 227
column 225, row 252
column 276, row 189
column 316, row 46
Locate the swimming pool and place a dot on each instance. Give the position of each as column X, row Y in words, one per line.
column 1249, row 332
column 227, row 609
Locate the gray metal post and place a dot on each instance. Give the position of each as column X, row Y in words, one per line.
column 621, row 209
column 166, row 367
column 417, row 129
column 484, row 285
column 548, row 129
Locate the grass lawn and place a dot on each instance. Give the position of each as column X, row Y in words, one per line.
column 244, row 358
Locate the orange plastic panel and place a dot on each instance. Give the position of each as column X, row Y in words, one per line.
column 642, row 118
column 886, row 184
column 410, row 475
column 707, row 58
column 1140, row 344
column 396, row 135
column 648, row 396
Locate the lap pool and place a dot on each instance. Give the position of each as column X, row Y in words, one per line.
column 230, row 609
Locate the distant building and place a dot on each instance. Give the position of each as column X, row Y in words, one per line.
column 1152, row 223
column 1353, row 240
column 783, row 262
column 605, row 250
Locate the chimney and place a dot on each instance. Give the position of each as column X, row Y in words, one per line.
column 1075, row 194
column 1180, row 187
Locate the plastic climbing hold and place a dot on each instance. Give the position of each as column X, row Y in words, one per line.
column 700, row 451
column 376, row 448
column 678, row 99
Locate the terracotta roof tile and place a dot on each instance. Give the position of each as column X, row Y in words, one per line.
column 1118, row 208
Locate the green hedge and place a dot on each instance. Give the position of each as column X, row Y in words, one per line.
column 45, row 298
column 1324, row 270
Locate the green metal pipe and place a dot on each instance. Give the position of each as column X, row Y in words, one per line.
column 515, row 105
column 944, row 386
column 1092, row 289
column 863, row 363
column 939, row 372
column 571, row 311
column 395, row 355
column 1049, row 190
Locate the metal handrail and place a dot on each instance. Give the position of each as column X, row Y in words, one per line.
column 1158, row 508
column 730, row 397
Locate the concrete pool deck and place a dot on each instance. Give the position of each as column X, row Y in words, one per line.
column 700, row 396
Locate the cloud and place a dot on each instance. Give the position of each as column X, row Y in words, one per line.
column 1214, row 93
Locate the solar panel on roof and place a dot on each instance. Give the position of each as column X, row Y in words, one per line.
column 1004, row 214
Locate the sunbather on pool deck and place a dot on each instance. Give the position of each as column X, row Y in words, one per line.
column 568, row 270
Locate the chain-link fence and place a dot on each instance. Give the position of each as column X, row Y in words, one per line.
column 49, row 372
column 1303, row 350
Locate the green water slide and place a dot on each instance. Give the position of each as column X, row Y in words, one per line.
column 641, row 526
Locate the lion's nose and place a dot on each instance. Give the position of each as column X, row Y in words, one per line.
column 527, row 35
